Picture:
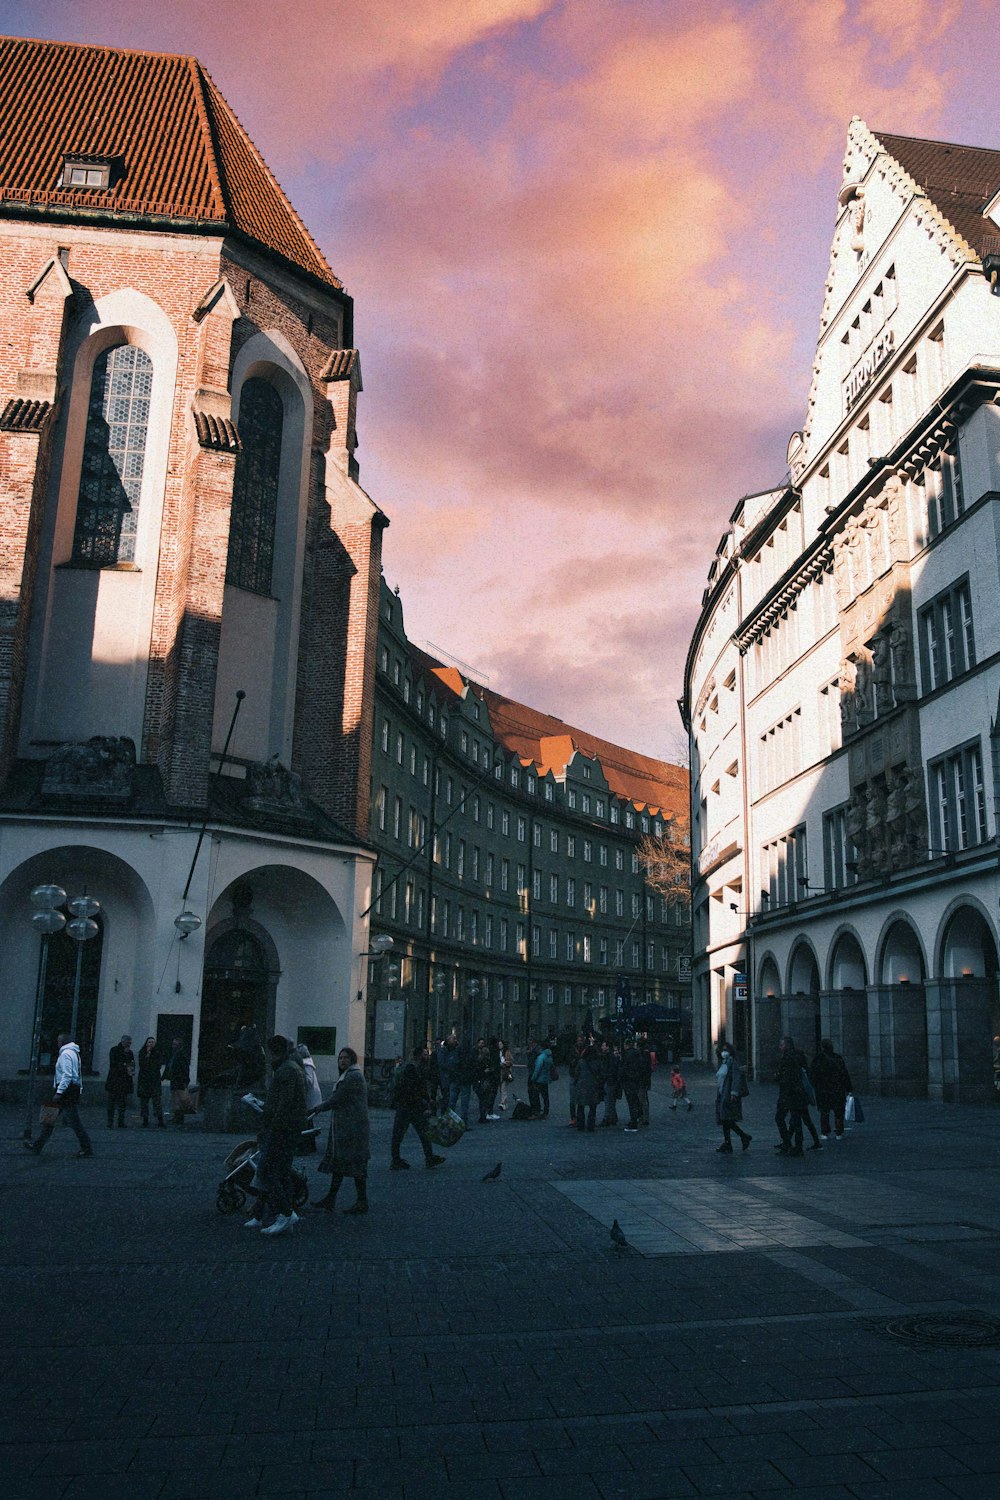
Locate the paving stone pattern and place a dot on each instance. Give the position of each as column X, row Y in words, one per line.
column 486, row 1341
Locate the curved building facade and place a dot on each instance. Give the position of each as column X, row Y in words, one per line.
column 509, row 873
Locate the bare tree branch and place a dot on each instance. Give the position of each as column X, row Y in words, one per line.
column 667, row 860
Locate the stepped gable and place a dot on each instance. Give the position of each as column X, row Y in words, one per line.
column 960, row 180
column 177, row 150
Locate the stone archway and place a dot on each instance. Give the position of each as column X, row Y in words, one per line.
column 767, row 1014
column 897, row 1013
column 801, row 1007
column 117, row 974
column 844, row 1005
column 277, row 956
column 241, row 978
column 963, row 1008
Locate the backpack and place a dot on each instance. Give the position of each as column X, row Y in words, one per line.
column 521, row 1111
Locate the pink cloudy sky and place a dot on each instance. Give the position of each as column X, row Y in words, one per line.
column 587, row 242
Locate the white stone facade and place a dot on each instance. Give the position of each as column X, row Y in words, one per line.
column 842, row 684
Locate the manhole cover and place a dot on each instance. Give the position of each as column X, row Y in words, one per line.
column 953, row 1330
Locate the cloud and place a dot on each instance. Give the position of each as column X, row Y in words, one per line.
column 587, row 242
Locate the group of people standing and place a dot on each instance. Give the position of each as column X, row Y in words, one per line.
column 145, row 1078
column 601, row 1072
column 456, row 1066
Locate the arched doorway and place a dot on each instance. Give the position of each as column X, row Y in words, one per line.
column 844, row 1006
column 902, row 1012
column 57, row 1000
column 965, row 996
column 241, row 977
column 802, row 1010
column 767, row 1014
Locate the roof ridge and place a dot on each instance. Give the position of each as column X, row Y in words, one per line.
column 309, row 244
column 48, row 41
column 930, row 140
column 213, row 155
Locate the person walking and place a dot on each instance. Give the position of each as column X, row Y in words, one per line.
column 832, row 1083
column 538, row 1082
column 730, row 1091
column 579, row 1048
column 466, row 1073
column 348, row 1145
column 647, row 1055
column 633, row 1072
column 119, row 1083
column 792, row 1098
column 283, row 1121
column 67, row 1089
column 177, row 1072
column 679, row 1088
column 589, row 1087
column 412, row 1104
column 149, row 1084
column 484, row 1080
column 611, row 1057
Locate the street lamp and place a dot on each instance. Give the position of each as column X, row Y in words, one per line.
column 81, row 929
column 45, row 919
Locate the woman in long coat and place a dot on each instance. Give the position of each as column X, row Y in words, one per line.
column 348, row 1145
column 731, row 1090
column 119, row 1085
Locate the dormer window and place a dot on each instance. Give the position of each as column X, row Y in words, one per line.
column 93, row 173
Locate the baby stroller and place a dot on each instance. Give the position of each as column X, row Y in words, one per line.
column 243, row 1161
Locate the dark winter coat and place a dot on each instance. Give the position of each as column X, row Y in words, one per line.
column 830, row 1079
column 121, row 1066
column 633, row 1069
column 150, row 1072
column 732, row 1090
column 411, row 1089
column 589, row 1079
column 791, row 1089
column 349, row 1144
column 177, row 1069
column 285, row 1105
column 467, row 1065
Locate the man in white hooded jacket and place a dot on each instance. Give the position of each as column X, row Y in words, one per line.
column 68, row 1085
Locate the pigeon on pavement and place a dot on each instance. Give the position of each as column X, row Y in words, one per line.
column 492, row 1176
column 618, row 1237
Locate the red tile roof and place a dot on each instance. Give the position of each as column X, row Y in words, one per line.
column 182, row 153
column 550, row 744
column 959, row 180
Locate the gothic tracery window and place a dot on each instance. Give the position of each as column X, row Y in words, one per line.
column 114, row 448
column 255, row 489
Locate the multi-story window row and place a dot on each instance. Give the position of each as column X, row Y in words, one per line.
column 512, row 865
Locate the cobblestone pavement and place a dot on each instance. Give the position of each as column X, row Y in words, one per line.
column 486, row 1341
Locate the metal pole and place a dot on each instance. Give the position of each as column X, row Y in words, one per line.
column 36, row 1035
column 76, row 989
column 222, row 761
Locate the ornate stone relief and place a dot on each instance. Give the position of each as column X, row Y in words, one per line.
column 272, row 788
column 101, row 768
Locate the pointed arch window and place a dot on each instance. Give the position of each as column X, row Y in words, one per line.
column 255, row 489
column 114, row 449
